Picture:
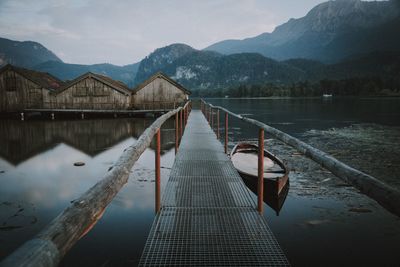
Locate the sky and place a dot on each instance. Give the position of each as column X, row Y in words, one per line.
column 125, row 31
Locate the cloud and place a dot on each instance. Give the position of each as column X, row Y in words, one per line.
column 123, row 32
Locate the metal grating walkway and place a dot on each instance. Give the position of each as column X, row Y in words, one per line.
column 207, row 216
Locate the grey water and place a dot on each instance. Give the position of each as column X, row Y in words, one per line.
column 324, row 221
column 38, row 180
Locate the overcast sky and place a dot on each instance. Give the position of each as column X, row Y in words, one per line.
column 124, row 31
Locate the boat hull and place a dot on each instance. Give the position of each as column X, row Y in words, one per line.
column 272, row 186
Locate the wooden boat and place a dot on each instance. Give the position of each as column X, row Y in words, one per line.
column 244, row 157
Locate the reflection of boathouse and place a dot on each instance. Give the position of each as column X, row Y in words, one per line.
column 20, row 141
column 22, row 89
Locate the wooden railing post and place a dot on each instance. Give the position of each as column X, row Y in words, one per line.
column 260, row 187
column 176, row 132
column 218, row 124
column 226, row 133
column 158, row 170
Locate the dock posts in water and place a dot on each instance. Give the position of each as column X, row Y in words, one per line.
column 22, row 116
column 52, row 116
column 226, row 133
column 158, row 171
column 82, row 116
column 260, row 184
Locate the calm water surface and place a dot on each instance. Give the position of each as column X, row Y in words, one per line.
column 298, row 115
column 38, row 180
column 317, row 225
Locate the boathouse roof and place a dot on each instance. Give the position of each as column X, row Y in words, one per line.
column 162, row 76
column 116, row 85
column 43, row 79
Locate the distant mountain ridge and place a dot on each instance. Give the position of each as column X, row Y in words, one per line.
column 330, row 32
column 206, row 69
column 24, row 54
column 64, row 71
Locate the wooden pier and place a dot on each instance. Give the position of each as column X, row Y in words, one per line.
column 207, row 216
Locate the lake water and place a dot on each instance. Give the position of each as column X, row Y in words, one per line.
column 325, row 222
column 38, row 181
column 314, row 226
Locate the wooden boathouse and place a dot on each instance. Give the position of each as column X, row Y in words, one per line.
column 159, row 92
column 91, row 91
column 22, row 88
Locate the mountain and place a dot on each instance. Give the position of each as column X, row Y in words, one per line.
column 206, row 69
column 64, row 71
column 35, row 56
column 330, row 32
column 160, row 58
column 24, row 54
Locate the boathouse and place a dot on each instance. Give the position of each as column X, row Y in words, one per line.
column 22, row 88
column 94, row 92
column 159, row 92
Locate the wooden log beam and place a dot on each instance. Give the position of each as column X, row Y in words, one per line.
column 387, row 196
column 57, row 238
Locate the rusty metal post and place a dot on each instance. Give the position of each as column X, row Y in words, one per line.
column 158, row 171
column 186, row 114
column 212, row 119
column 176, row 132
column 184, row 121
column 226, row 133
column 218, row 124
column 260, row 187
column 181, row 123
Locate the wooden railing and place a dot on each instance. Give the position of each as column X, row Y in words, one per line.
column 56, row 239
column 385, row 195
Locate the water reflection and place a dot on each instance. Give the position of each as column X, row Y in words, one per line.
column 38, row 180
column 274, row 201
column 322, row 216
column 20, row 141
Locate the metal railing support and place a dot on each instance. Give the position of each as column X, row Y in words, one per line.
column 218, row 124
column 158, row 171
column 260, row 184
column 176, row 132
column 226, row 133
